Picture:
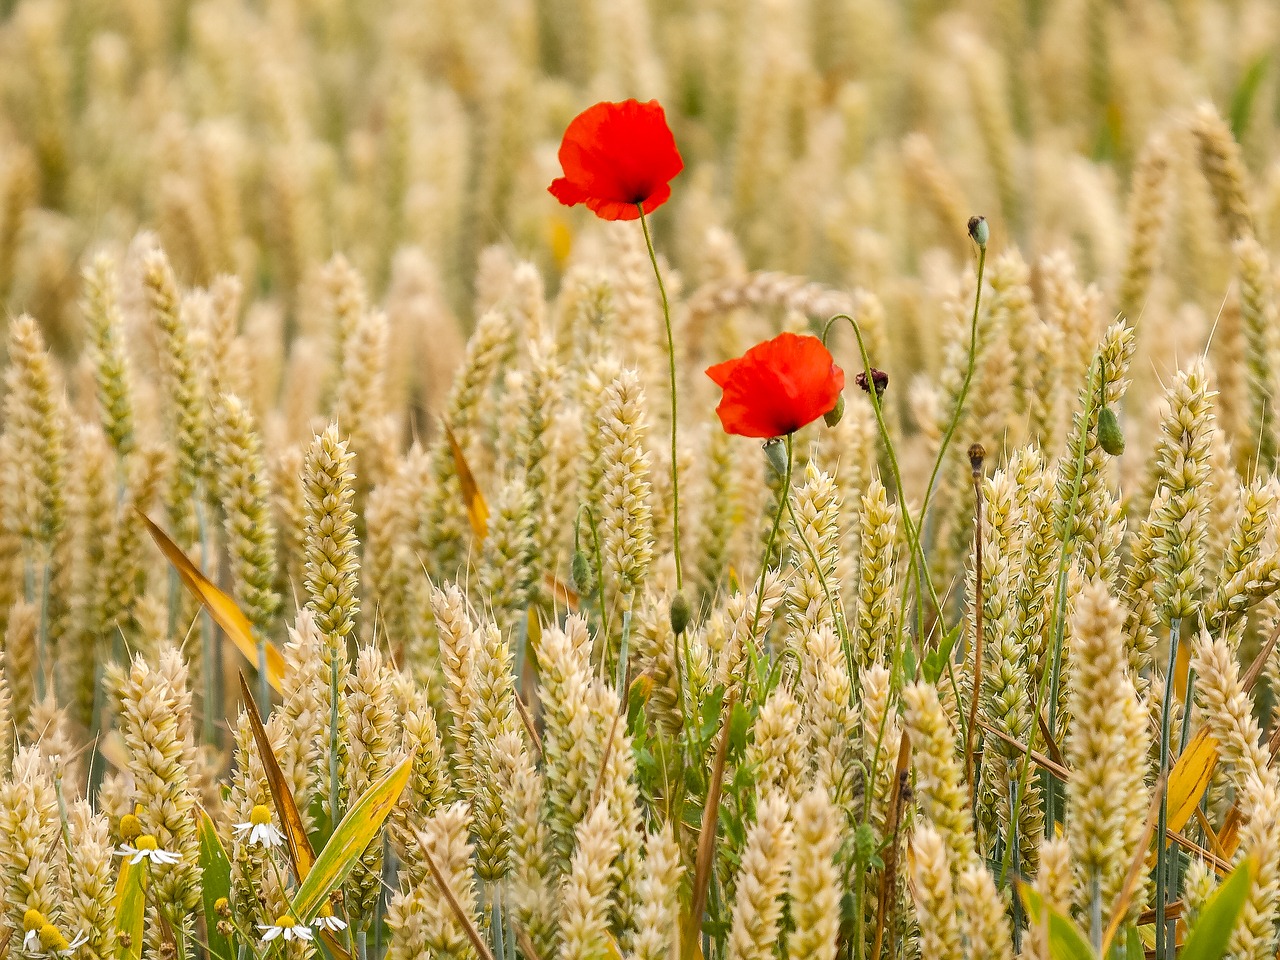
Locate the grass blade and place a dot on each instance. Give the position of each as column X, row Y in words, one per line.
column 472, row 498
column 301, row 855
column 215, row 882
column 131, row 907
column 1209, row 937
column 220, row 606
column 1066, row 941
column 356, row 831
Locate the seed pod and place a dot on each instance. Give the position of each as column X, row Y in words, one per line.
column 1110, row 437
column 680, row 613
column 580, row 568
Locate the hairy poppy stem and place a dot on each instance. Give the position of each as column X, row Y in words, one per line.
column 671, row 363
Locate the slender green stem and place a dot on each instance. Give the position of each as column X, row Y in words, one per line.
column 859, row 892
column 1188, row 708
column 671, row 363
column 1059, row 621
column 334, row 815
column 964, row 389
column 909, row 526
column 1162, row 823
column 773, row 539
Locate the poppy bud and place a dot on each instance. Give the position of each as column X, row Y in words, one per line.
column 864, row 843
column 679, row 613
column 1110, row 438
column 581, row 572
column 777, row 454
column 878, row 377
column 833, row 416
column 977, row 453
column 979, row 230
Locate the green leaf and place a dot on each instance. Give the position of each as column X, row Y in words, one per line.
column 131, row 908
column 215, row 870
column 1133, row 944
column 1209, row 937
column 935, row 661
column 1066, row 941
column 355, row 833
column 1245, row 93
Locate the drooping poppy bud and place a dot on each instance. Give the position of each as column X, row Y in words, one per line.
column 580, row 569
column 879, row 379
column 1110, row 436
column 680, row 613
column 979, row 230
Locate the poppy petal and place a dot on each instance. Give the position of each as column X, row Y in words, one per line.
column 777, row 386
column 616, row 156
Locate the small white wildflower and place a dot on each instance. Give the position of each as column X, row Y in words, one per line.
column 287, row 928
column 260, row 828
column 54, row 944
column 327, row 921
column 146, row 848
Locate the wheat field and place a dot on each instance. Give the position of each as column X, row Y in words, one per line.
column 377, row 577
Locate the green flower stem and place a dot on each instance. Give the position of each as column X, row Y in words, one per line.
column 701, row 881
column 964, row 389
column 913, row 534
column 671, row 364
column 1059, row 628
column 1163, row 871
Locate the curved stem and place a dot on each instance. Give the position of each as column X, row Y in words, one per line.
column 671, row 365
column 917, row 560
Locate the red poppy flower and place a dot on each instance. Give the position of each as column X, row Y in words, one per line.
column 777, row 387
column 617, row 156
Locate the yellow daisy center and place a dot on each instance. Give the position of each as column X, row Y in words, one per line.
column 33, row 919
column 285, row 920
column 146, row 842
column 260, row 816
column 51, row 938
column 130, row 826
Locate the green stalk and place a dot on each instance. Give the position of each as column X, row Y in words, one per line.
column 773, row 538
column 333, row 737
column 704, row 877
column 1059, row 627
column 671, row 364
column 949, row 433
column 1162, row 823
column 909, row 527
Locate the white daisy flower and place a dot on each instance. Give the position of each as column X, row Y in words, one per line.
column 146, row 848
column 260, row 828
column 287, row 928
column 54, row 944
column 32, row 921
column 327, row 921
